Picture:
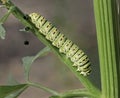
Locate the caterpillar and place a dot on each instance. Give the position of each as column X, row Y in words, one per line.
column 65, row 46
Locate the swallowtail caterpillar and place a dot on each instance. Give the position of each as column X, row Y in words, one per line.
column 66, row 46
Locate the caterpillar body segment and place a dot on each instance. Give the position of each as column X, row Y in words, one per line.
column 86, row 72
column 66, row 46
column 58, row 42
column 77, row 55
column 47, row 27
column 85, row 69
column 40, row 21
column 74, row 48
column 52, row 34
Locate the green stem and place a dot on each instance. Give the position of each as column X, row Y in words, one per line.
column 78, row 93
column 43, row 88
column 42, row 52
column 107, row 30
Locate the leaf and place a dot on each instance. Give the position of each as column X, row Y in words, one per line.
column 7, row 90
column 16, row 94
column 27, row 61
column 11, row 80
column 2, row 32
column 43, row 52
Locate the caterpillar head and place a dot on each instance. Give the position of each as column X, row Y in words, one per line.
column 34, row 17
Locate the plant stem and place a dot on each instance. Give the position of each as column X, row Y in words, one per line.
column 42, row 87
column 108, row 43
column 77, row 93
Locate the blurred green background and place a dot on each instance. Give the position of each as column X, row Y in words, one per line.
column 75, row 18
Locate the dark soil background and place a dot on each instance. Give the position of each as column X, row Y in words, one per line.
column 73, row 17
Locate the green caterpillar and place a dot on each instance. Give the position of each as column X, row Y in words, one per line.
column 66, row 46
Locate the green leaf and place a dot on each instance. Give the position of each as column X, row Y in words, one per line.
column 17, row 93
column 27, row 61
column 43, row 52
column 7, row 90
column 11, row 80
column 2, row 32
